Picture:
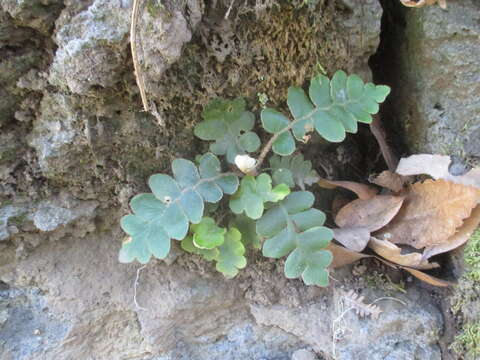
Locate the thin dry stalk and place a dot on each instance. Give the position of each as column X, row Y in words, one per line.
column 379, row 133
column 139, row 76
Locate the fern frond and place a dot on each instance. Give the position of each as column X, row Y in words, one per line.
column 175, row 203
column 333, row 108
column 293, row 228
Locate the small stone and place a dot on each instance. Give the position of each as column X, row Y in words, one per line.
column 303, row 354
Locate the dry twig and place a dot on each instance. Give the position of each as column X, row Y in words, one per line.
column 139, row 76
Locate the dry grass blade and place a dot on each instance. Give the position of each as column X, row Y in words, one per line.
column 372, row 214
column 136, row 64
column 431, row 213
column 358, row 304
column 379, row 133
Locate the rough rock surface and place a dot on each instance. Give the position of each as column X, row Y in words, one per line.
column 433, row 61
column 75, row 146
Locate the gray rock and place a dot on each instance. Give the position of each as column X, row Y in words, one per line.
column 54, row 132
column 167, row 31
column 7, row 214
column 304, row 354
column 362, row 24
column 410, row 330
column 60, row 211
column 26, row 326
column 436, row 96
column 91, row 47
column 36, row 14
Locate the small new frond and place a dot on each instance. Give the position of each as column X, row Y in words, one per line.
column 292, row 170
column 292, row 227
column 208, row 254
column 228, row 254
column 229, row 125
column 231, row 254
column 247, row 228
column 207, row 235
column 176, row 201
column 333, row 108
column 254, row 192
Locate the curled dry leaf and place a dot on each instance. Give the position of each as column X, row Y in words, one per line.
column 431, row 213
column 394, row 254
column 357, row 303
column 422, row 3
column 389, row 180
column 436, row 166
column 459, row 238
column 372, row 214
column 355, row 238
column 342, row 256
column 363, row 191
column 432, row 280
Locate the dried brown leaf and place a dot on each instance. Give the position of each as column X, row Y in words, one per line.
column 363, row 191
column 437, row 167
column 372, row 214
column 342, row 256
column 394, row 254
column 431, row 213
column 422, row 3
column 389, row 180
column 357, row 303
column 432, row 280
column 355, row 238
column 339, row 202
column 459, row 238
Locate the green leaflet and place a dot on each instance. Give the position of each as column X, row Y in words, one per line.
column 231, row 254
column 175, row 203
column 207, row 235
column 254, row 192
column 228, row 124
column 293, row 228
column 208, row 254
column 247, row 228
column 292, row 170
column 333, row 108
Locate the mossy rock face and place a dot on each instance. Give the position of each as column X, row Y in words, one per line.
column 89, row 133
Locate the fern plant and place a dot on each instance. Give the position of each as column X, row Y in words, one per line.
column 266, row 210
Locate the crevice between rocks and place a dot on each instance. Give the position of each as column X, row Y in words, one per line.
column 386, row 68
